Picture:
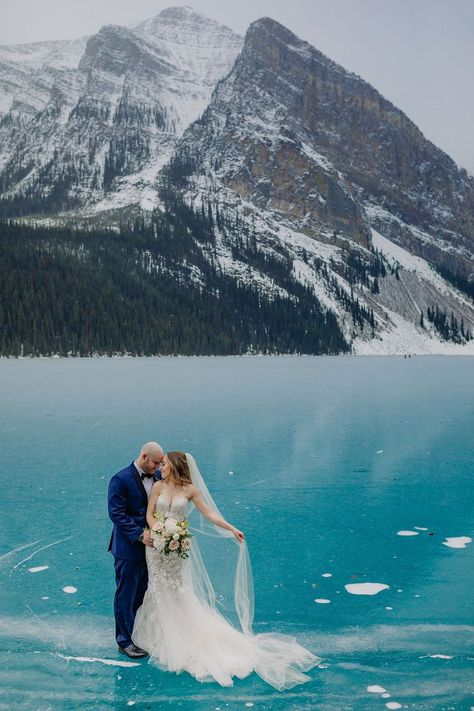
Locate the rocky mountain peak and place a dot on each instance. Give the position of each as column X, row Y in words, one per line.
column 267, row 34
column 179, row 12
column 182, row 25
column 255, row 139
column 382, row 154
column 272, row 29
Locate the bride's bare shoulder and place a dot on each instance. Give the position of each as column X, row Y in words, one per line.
column 192, row 491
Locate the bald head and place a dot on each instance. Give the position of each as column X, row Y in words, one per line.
column 150, row 457
column 152, row 449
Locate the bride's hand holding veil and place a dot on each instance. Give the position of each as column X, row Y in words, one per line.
column 212, row 516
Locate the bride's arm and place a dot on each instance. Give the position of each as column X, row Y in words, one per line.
column 155, row 491
column 212, row 516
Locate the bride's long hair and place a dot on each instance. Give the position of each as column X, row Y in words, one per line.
column 179, row 473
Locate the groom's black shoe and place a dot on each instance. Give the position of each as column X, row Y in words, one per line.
column 133, row 651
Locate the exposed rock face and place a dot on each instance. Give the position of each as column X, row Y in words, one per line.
column 253, row 139
column 378, row 149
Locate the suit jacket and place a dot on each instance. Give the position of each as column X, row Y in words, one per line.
column 127, row 503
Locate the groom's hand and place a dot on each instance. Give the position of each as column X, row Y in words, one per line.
column 147, row 538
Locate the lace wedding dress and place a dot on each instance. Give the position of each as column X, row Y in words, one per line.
column 182, row 631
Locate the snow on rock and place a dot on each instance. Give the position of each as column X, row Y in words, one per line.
column 402, row 337
column 398, row 255
column 201, row 52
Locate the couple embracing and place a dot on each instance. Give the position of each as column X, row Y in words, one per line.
column 165, row 602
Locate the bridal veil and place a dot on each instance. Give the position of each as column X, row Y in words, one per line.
column 281, row 660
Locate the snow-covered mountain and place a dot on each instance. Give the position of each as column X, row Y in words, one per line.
column 287, row 173
column 96, row 119
column 344, row 185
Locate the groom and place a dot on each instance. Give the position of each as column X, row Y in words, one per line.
column 128, row 497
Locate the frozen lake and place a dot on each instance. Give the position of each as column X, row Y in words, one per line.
column 351, row 477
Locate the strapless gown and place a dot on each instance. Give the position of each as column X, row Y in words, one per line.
column 180, row 633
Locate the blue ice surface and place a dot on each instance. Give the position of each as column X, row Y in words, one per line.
column 321, row 461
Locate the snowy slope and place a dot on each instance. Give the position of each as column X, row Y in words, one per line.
column 199, row 48
column 28, row 73
column 418, row 287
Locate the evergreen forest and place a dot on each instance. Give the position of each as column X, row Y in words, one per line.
column 148, row 289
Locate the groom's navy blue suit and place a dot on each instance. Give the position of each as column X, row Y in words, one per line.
column 127, row 509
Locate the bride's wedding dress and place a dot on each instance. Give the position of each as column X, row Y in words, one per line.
column 182, row 631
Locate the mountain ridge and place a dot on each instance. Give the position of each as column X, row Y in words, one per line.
column 287, row 173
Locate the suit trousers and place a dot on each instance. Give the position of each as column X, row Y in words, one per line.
column 131, row 578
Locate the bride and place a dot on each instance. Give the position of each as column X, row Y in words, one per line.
column 179, row 623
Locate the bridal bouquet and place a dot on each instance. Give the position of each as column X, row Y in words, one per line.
column 170, row 535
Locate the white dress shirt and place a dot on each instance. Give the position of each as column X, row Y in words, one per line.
column 148, row 481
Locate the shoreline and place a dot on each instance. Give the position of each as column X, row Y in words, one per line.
column 128, row 356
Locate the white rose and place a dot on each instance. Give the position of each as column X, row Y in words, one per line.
column 175, row 536
column 186, row 544
column 158, row 526
column 173, row 545
column 171, row 525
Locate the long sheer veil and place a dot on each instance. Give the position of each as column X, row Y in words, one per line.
column 232, row 588
column 279, row 659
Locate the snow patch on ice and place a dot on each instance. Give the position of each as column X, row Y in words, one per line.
column 108, row 662
column 375, row 689
column 457, row 542
column 365, row 588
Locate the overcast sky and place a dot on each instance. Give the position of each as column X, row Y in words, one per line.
column 418, row 53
